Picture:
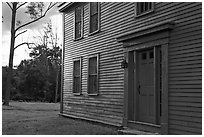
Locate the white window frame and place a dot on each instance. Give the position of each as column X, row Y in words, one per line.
column 80, row 65
column 97, row 89
column 144, row 13
column 82, row 23
column 99, row 12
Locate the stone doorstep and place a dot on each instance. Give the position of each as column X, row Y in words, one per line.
column 134, row 132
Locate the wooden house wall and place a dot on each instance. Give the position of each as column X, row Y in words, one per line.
column 185, row 63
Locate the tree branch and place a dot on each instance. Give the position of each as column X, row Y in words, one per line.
column 25, row 43
column 9, row 5
column 21, row 5
column 49, row 7
column 20, row 33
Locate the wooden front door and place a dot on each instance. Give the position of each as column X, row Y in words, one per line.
column 144, row 83
column 146, row 87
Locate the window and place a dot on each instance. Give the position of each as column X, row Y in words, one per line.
column 78, row 32
column 94, row 17
column 142, row 8
column 93, row 75
column 77, row 77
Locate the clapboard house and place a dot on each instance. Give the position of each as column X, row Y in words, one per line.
column 135, row 65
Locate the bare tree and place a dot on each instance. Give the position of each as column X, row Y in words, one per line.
column 47, row 42
column 36, row 12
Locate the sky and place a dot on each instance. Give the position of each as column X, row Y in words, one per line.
column 22, row 52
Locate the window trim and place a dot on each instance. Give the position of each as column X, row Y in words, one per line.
column 80, row 65
column 99, row 22
column 97, row 64
column 82, row 23
column 150, row 11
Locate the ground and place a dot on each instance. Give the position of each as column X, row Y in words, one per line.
column 21, row 118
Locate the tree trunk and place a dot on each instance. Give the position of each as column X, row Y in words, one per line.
column 9, row 76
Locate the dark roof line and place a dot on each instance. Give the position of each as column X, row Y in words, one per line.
column 64, row 6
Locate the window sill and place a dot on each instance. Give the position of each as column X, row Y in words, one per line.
column 143, row 14
column 92, row 33
column 78, row 39
column 93, row 94
column 77, row 94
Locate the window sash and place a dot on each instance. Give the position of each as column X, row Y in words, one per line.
column 143, row 8
column 77, row 76
column 78, row 22
column 94, row 17
column 92, row 81
column 93, row 8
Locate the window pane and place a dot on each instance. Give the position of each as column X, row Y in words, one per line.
column 151, row 54
column 94, row 23
column 93, row 65
column 78, row 14
column 76, row 85
column 143, row 7
column 144, row 56
column 76, row 68
column 78, row 30
column 93, row 84
column 93, row 8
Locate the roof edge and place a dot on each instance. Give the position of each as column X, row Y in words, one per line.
column 64, row 6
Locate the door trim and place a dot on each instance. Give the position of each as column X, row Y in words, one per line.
column 149, row 36
column 163, row 127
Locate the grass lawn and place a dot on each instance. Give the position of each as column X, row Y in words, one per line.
column 22, row 118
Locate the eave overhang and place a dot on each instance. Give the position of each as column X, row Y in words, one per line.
column 166, row 25
column 63, row 7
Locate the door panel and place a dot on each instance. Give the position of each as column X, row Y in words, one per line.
column 146, row 87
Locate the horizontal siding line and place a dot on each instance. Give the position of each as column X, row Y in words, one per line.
column 91, row 99
column 185, row 82
column 99, row 104
column 188, row 70
column 182, row 86
column 184, row 35
column 180, row 132
column 185, row 124
column 187, row 38
column 93, row 112
column 99, row 109
column 193, row 130
column 185, row 78
column 186, row 62
column 181, row 46
column 199, row 105
column 186, row 99
column 184, row 55
column 184, row 27
column 185, row 74
column 93, row 117
column 182, row 108
column 183, row 94
column 185, row 118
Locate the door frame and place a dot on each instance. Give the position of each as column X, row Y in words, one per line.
column 163, row 127
column 144, row 37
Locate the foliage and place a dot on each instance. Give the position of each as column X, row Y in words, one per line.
column 35, row 10
column 37, row 79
